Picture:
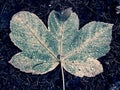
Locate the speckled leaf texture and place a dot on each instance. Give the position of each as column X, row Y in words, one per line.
column 61, row 43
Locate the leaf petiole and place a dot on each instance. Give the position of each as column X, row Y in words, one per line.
column 63, row 78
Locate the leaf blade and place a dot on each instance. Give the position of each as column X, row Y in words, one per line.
column 61, row 24
column 27, row 33
column 61, row 41
column 34, row 66
column 30, row 34
column 90, row 67
column 97, row 36
column 92, row 45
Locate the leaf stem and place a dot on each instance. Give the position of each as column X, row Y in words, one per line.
column 63, row 78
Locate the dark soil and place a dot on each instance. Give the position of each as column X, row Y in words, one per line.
column 87, row 10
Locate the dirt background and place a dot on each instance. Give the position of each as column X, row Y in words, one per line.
column 87, row 10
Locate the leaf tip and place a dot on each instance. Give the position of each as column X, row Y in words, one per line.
column 63, row 15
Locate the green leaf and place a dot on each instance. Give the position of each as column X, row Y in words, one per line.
column 62, row 43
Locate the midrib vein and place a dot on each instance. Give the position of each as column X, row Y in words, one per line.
column 61, row 40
